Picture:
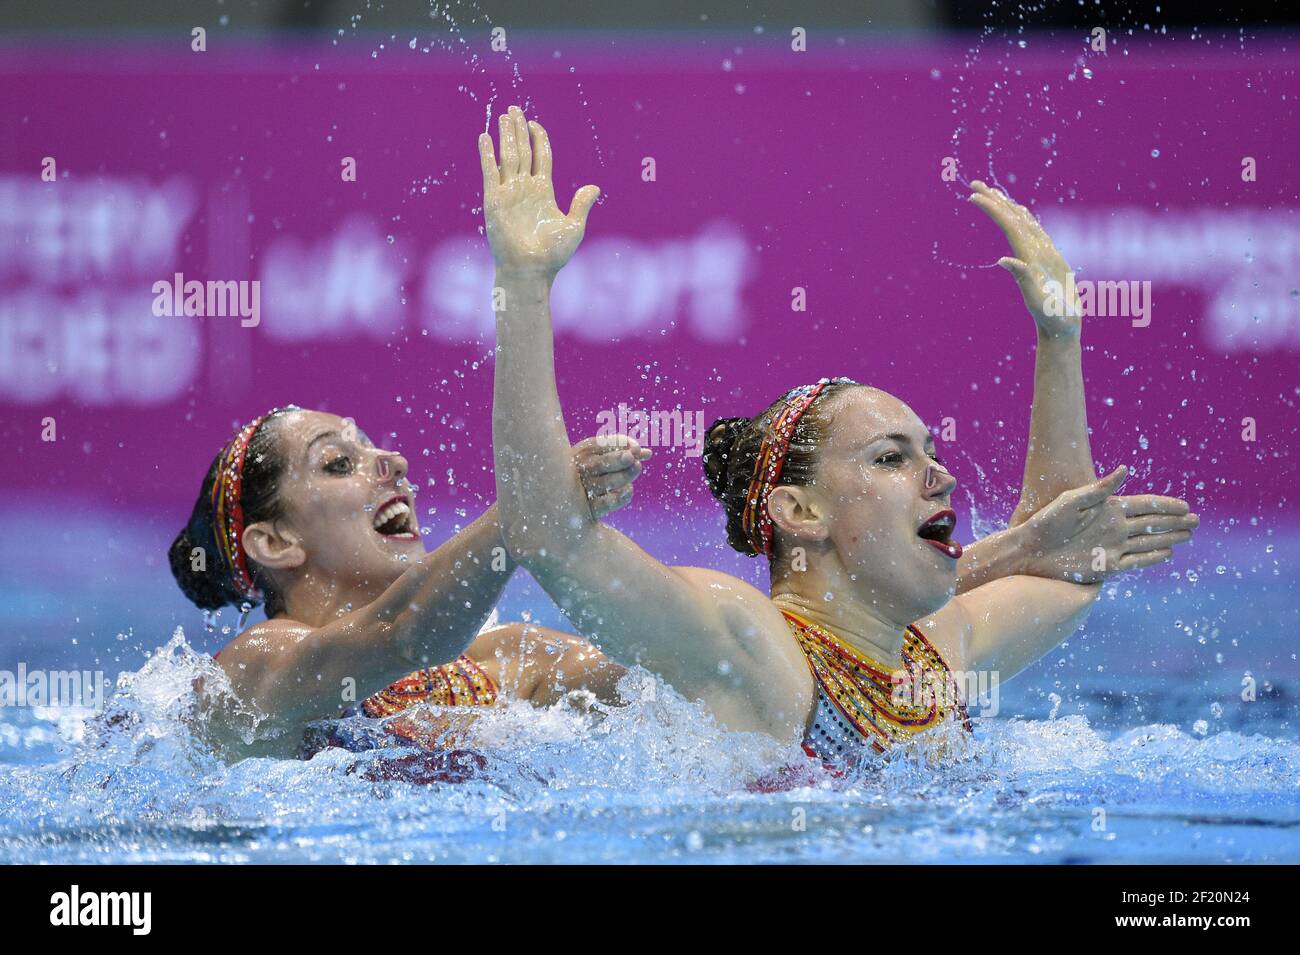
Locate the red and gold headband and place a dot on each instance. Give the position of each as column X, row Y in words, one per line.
column 756, row 519
column 228, row 512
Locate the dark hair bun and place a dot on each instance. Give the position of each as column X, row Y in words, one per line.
column 201, row 573
column 719, row 443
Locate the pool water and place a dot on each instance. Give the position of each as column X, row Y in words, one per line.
column 654, row 781
column 1131, row 743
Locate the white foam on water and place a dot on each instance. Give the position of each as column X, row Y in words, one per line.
column 157, row 777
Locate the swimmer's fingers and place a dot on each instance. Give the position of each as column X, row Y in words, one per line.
column 1143, row 543
column 583, row 200
column 509, row 149
column 1035, row 259
column 541, row 151
column 1093, row 495
column 1029, row 222
column 1014, row 221
column 1016, row 267
column 605, row 503
column 488, row 161
column 598, row 485
column 1136, row 505
column 1160, row 523
column 607, row 454
column 1149, row 559
column 605, row 443
column 1002, row 217
column 522, row 141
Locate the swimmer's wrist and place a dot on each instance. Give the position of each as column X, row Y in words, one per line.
column 1057, row 337
column 1021, row 547
column 1003, row 553
column 525, row 275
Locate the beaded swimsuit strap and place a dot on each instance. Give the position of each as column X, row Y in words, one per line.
column 861, row 689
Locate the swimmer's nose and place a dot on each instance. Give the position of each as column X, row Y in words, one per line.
column 390, row 466
column 939, row 482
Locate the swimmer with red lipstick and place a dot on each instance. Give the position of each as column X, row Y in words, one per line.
column 838, row 485
column 302, row 513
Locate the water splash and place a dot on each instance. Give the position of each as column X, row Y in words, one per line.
column 151, row 779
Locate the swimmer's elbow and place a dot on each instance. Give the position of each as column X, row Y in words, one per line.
column 533, row 540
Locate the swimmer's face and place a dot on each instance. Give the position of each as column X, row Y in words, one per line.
column 878, row 483
column 347, row 502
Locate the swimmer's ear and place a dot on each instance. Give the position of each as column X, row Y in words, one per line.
column 273, row 547
column 798, row 513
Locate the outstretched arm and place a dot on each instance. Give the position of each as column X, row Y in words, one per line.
column 295, row 672
column 1058, row 460
column 1058, row 457
column 1006, row 624
column 1084, row 536
column 677, row 621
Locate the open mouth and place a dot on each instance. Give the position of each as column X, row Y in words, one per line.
column 937, row 532
column 396, row 520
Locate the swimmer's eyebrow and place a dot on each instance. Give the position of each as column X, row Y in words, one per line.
column 323, row 434
column 896, row 436
column 362, row 437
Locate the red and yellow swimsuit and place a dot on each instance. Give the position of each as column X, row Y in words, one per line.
column 440, row 760
column 859, row 702
column 459, row 683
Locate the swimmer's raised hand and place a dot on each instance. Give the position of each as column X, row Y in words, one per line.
column 528, row 233
column 1035, row 263
column 1088, row 534
column 608, row 464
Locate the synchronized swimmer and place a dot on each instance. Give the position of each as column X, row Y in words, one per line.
column 836, row 483
column 302, row 513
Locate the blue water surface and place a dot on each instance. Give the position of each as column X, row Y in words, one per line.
column 1130, row 743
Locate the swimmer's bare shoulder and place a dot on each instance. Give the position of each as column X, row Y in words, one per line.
column 759, row 679
column 262, row 657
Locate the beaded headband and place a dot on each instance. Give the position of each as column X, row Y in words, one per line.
column 228, row 511
column 756, row 520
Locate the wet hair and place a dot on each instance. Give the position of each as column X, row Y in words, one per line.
column 214, row 586
column 731, row 449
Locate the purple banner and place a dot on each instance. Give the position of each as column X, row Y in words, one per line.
column 768, row 217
